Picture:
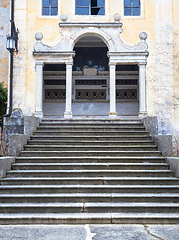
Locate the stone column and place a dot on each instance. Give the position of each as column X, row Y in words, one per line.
column 112, row 69
column 68, row 112
column 142, row 91
column 39, row 90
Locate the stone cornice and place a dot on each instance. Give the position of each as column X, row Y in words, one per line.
column 45, row 53
column 128, row 54
column 90, row 24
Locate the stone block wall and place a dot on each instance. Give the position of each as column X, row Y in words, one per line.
column 17, row 129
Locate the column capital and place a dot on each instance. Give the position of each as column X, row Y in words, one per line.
column 142, row 64
column 112, row 64
column 39, row 64
column 69, row 63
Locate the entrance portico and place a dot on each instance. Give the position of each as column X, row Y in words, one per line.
column 118, row 54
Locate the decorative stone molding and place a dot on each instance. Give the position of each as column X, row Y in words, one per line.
column 143, row 45
column 108, row 32
column 63, row 17
column 117, row 17
column 39, row 45
column 91, row 24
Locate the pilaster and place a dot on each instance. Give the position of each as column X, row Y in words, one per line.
column 39, row 90
column 68, row 113
column 112, row 69
column 142, row 91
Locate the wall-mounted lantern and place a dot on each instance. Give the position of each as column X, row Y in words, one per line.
column 12, row 40
column 10, row 44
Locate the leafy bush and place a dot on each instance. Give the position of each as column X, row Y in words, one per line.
column 3, row 99
column 3, row 106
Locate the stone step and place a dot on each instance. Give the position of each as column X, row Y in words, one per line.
column 89, row 173
column 80, row 121
column 89, row 218
column 90, row 181
column 92, row 142
column 56, row 189
column 41, row 207
column 88, row 128
column 90, row 122
column 91, row 138
column 92, row 125
column 89, row 153
column 90, row 148
column 90, row 207
column 89, row 166
column 128, row 207
column 87, row 159
column 90, row 197
column 74, row 133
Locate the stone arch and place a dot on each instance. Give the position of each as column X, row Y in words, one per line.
column 93, row 31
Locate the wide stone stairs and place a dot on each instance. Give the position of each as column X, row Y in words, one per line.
column 89, row 171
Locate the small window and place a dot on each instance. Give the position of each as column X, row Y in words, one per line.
column 132, row 7
column 90, row 7
column 49, row 7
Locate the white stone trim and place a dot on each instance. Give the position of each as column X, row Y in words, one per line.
column 95, row 32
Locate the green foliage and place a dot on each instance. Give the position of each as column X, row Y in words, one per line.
column 3, row 99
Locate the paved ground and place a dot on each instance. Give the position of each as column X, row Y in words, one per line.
column 90, row 232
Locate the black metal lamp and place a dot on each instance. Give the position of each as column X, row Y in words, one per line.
column 11, row 43
column 12, row 40
column 11, row 46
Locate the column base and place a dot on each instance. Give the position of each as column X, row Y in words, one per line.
column 142, row 114
column 113, row 115
column 68, row 115
column 38, row 114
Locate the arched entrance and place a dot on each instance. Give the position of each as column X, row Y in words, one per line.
column 90, row 78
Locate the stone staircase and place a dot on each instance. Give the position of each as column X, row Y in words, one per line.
column 89, row 171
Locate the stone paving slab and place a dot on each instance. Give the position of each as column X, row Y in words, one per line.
column 89, row 232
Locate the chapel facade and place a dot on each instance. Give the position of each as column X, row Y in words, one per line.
column 98, row 59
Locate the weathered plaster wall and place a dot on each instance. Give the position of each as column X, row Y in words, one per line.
column 164, row 65
column 20, row 63
column 176, row 67
column 4, row 30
